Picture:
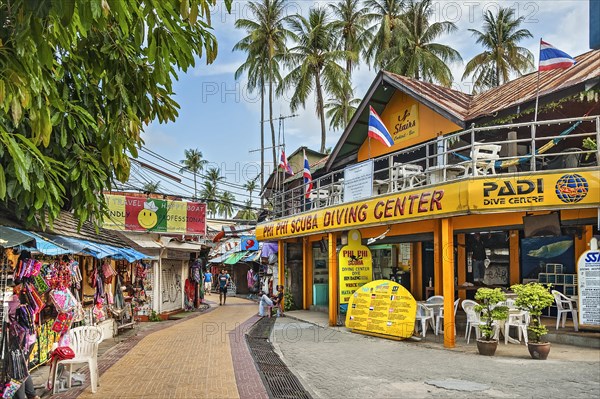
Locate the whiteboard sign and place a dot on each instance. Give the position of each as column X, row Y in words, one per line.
column 588, row 280
column 358, row 181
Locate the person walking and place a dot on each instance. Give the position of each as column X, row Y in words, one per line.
column 207, row 281
column 224, row 279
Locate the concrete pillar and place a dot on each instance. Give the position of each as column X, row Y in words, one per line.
column 307, row 279
column 437, row 258
column 447, row 246
column 514, row 271
column 333, row 279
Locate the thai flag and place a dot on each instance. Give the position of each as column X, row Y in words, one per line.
column 377, row 129
column 308, row 185
column 284, row 164
column 553, row 58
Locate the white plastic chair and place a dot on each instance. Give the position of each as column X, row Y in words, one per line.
column 405, row 175
column 473, row 320
column 424, row 316
column 439, row 321
column 564, row 306
column 84, row 341
column 483, row 158
column 519, row 320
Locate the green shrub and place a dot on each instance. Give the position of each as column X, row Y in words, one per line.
column 488, row 299
column 534, row 298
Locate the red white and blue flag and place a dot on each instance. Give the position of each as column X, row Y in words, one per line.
column 284, row 164
column 307, row 177
column 553, row 58
column 377, row 129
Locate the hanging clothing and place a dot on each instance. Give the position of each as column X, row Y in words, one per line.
column 250, row 278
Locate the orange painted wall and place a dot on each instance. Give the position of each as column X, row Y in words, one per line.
column 430, row 125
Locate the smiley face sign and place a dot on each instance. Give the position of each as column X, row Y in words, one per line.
column 147, row 217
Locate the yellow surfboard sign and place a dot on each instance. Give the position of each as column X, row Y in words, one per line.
column 382, row 307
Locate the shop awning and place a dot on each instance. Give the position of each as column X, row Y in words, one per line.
column 222, row 258
column 235, row 258
column 43, row 245
column 100, row 251
column 251, row 256
column 10, row 238
column 144, row 240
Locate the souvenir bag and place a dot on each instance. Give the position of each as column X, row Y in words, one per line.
column 25, row 318
column 62, row 323
column 11, row 388
column 63, row 300
column 40, row 284
column 34, row 299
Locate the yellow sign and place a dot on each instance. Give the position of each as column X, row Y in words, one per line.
column 356, row 266
column 534, row 190
column 382, row 307
column 405, row 124
column 408, row 205
column 476, row 195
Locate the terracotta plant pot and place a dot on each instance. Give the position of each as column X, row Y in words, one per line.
column 539, row 350
column 487, row 348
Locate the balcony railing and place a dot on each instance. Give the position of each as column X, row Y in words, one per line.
column 479, row 151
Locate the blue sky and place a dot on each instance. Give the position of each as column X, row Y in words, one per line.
column 222, row 119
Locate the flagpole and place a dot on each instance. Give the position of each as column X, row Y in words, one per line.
column 537, row 94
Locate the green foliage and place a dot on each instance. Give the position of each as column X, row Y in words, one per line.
column 288, row 301
column 193, row 163
column 78, row 81
column 589, row 144
column 534, row 298
column 490, row 310
column 154, row 316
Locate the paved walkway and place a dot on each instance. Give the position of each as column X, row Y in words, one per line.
column 335, row 363
column 190, row 359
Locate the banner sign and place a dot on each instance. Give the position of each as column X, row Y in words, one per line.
column 382, row 307
column 248, row 243
column 156, row 215
column 358, row 181
column 588, row 281
column 475, row 195
column 356, row 266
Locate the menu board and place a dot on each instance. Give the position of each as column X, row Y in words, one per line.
column 382, row 307
column 356, row 266
column 588, row 280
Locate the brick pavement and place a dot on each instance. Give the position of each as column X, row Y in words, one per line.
column 335, row 363
column 191, row 358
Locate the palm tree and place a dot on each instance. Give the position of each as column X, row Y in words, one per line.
column 151, row 187
column 314, row 64
column 213, row 175
column 247, row 213
column 386, row 16
column 265, row 42
column 250, row 186
column 339, row 111
column 225, row 206
column 414, row 54
column 193, row 163
column 501, row 56
column 350, row 28
column 209, row 194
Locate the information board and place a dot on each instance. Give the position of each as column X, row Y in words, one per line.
column 358, row 181
column 382, row 307
column 588, row 280
column 356, row 266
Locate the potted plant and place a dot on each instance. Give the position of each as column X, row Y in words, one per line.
column 534, row 298
column 491, row 311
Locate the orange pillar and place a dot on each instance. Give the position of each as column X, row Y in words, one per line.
column 280, row 262
column 307, row 279
column 437, row 258
column 514, row 271
column 416, row 270
column 447, row 260
column 333, row 279
column 462, row 264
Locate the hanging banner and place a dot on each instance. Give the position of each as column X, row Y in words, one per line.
column 248, row 243
column 356, row 266
column 157, row 215
column 382, row 308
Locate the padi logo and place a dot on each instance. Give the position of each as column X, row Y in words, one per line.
column 571, row 188
column 523, row 191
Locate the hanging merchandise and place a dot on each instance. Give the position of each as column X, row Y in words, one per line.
column 98, row 311
column 63, row 300
column 75, row 274
column 62, row 323
column 40, row 284
column 250, row 278
column 195, row 272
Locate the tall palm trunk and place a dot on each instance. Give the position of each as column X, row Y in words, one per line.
column 271, row 118
column 195, row 188
column 262, row 140
column 320, row 109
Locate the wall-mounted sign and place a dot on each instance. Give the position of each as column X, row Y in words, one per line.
column 248, row 243
column 588, row 281
column 405, row 124
column 358, row 181
column 149, row 214
column 382, row 307
column 356, row 266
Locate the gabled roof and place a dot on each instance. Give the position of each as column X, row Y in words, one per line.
column 462, row 108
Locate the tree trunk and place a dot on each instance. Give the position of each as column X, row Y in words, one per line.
column 262, row 142
column 271, row 119
column 195, row 189
column 320, row 110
